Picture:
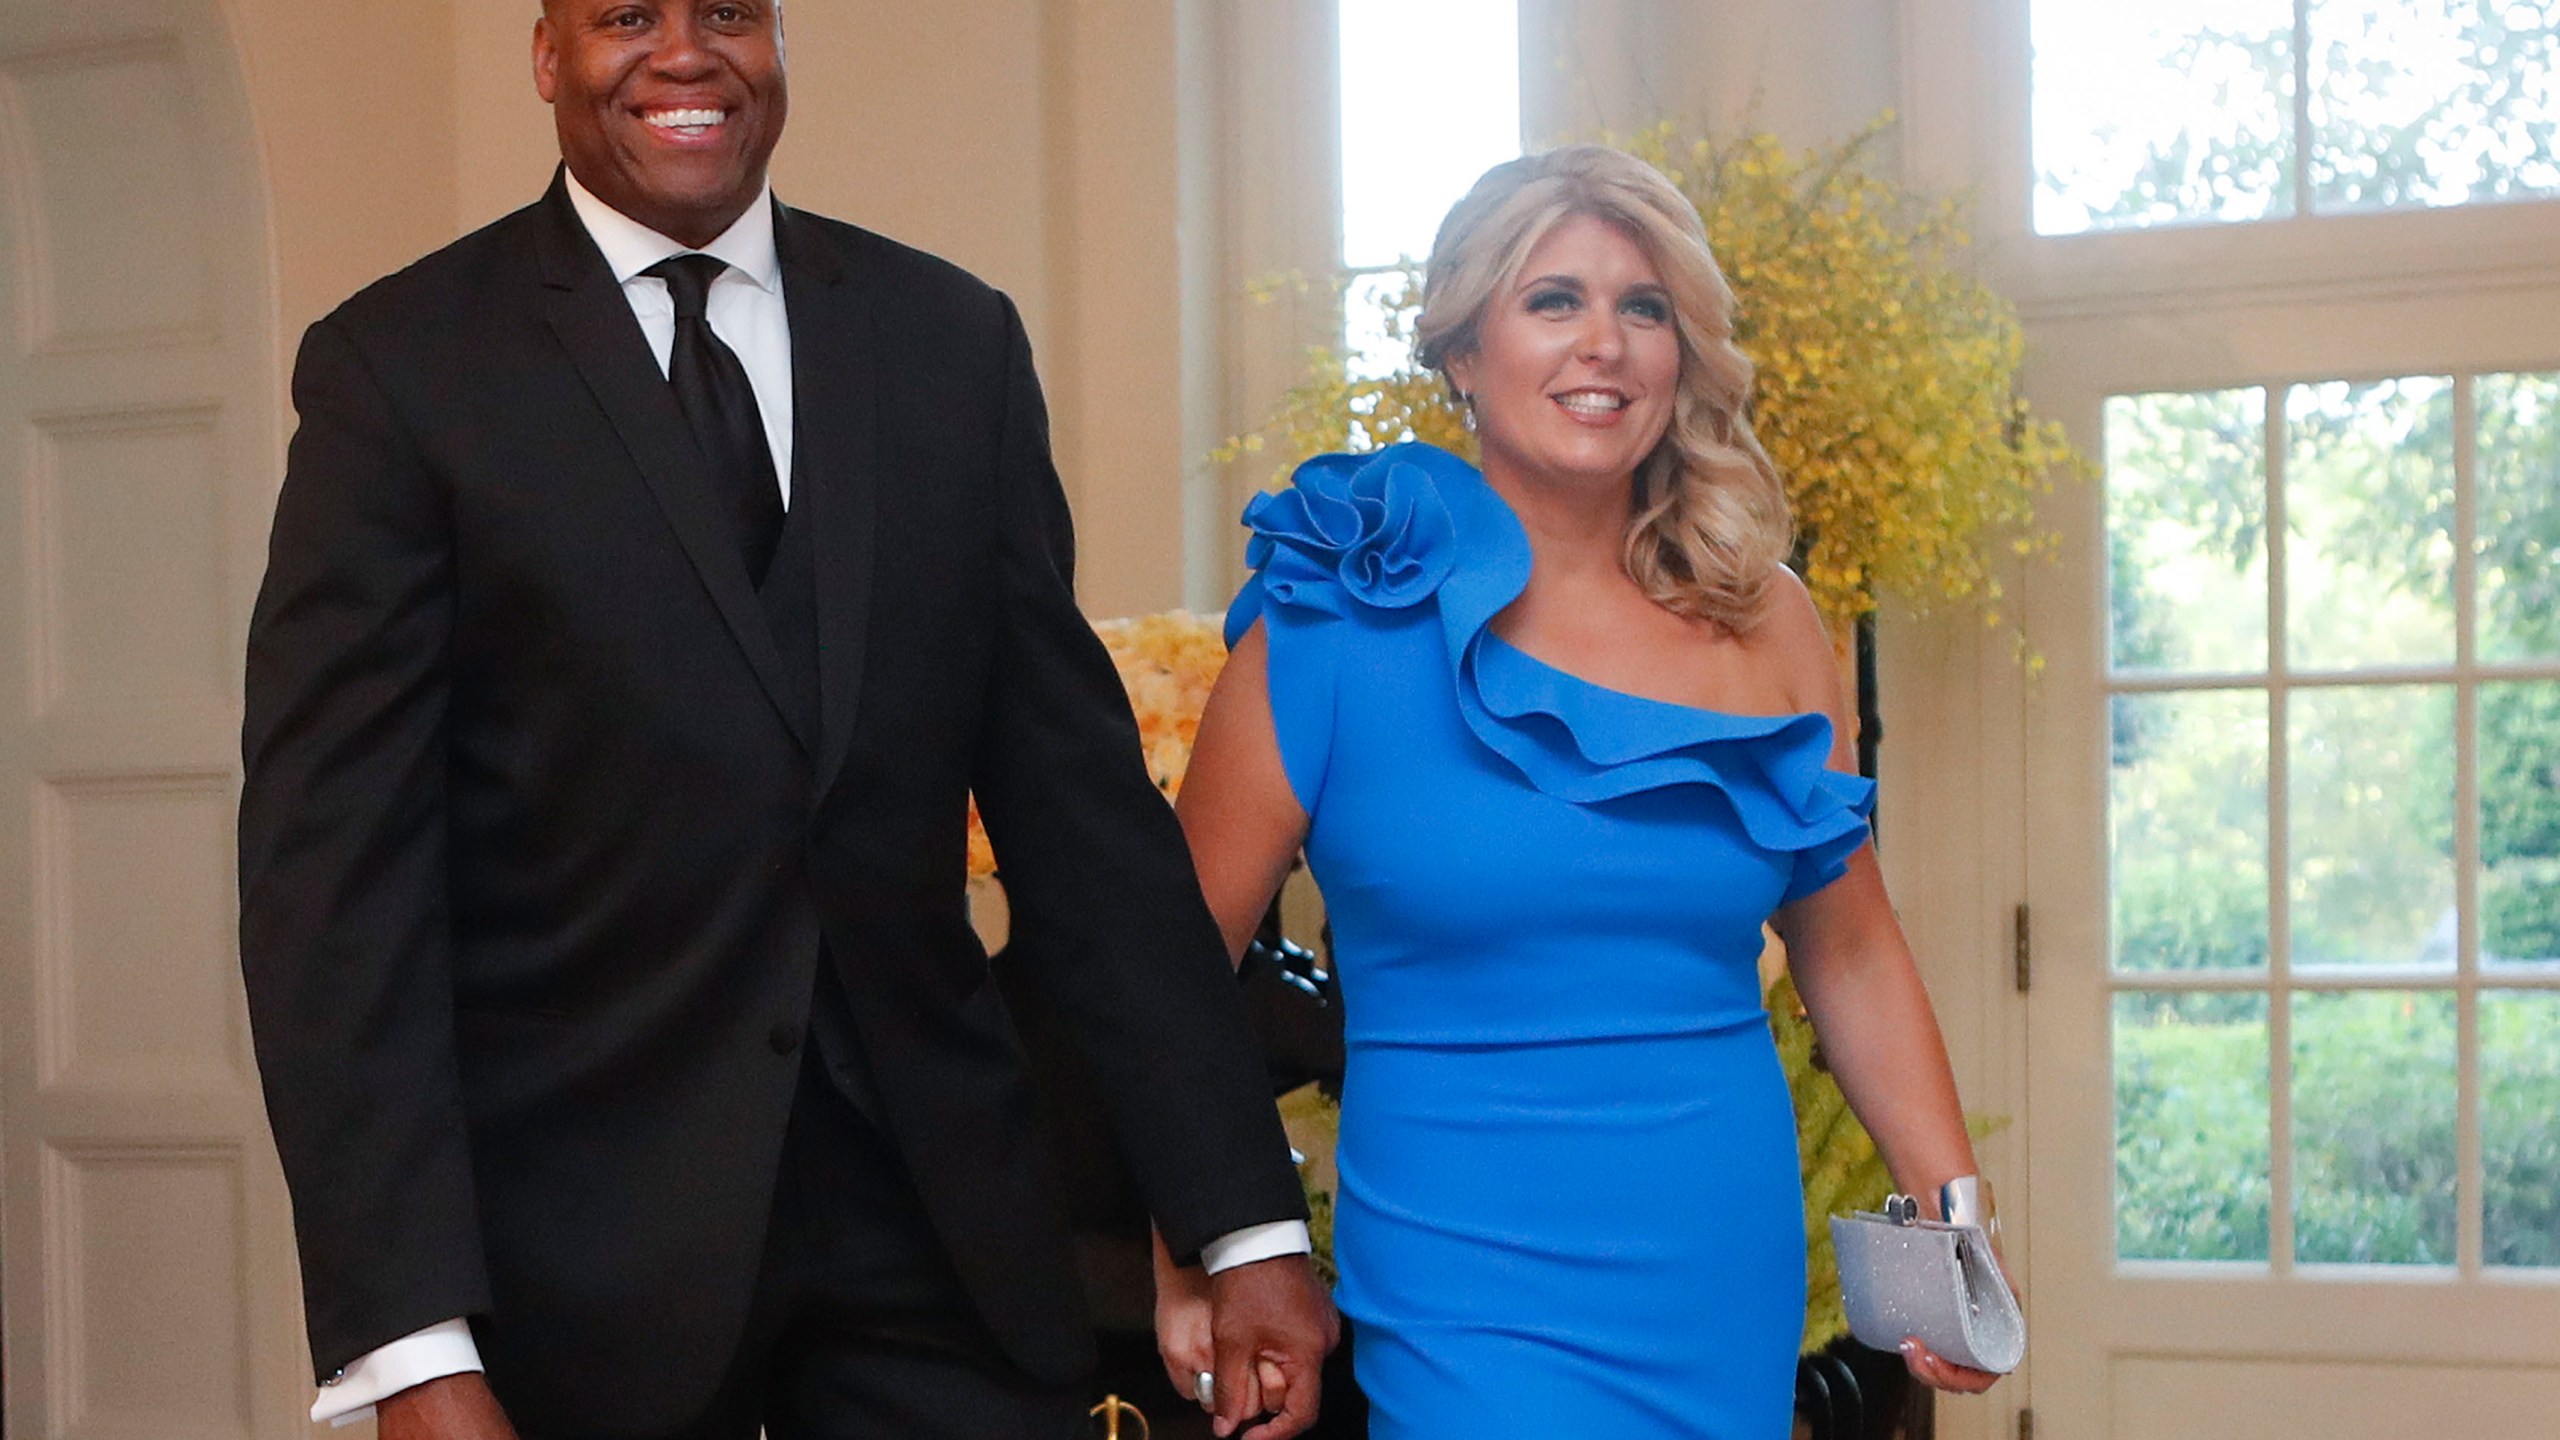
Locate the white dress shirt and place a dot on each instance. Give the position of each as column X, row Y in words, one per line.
column 745, row 304
column 746, row 310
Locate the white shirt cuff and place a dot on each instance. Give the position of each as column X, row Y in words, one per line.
column 377, row 1375
column 1256, row 1242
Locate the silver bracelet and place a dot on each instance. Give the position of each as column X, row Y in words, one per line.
column 1966, row 1200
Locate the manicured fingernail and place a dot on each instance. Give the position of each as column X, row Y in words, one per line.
column 1910, row 1349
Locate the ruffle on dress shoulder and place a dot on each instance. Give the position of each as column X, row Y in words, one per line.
column 1350, row 531
column 1351, row 534
column 1387, row 531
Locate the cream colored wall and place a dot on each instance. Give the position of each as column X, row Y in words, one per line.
column 1808, row 71
column 503, row 152
column 354, row 125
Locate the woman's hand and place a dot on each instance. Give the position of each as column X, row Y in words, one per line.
column 1183, row 1335
column 1941, row 1374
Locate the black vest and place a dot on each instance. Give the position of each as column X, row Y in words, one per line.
column 790, row 596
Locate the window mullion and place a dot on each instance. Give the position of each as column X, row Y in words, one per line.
column 2279, row 861
column 2469, row 1179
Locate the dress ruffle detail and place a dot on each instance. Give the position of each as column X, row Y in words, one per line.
column 1390, row 529
column 1350, row 529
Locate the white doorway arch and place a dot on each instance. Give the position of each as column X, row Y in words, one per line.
column 146, row 1271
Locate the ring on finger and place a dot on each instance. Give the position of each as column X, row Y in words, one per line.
column 1204, row 1388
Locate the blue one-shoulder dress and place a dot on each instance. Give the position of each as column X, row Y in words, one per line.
column 1569, row 1197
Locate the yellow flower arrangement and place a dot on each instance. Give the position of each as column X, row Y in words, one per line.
column 1886, row 391
column 1167, row 663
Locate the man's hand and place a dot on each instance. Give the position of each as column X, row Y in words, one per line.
column 457, row 1407
column 1273, row 1326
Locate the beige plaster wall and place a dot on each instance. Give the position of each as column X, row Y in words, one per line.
column 1115, row 359
column 1808, row 70
column 502, row 146
column 355, row 122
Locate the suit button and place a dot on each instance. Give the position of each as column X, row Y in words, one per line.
column 785, row 1037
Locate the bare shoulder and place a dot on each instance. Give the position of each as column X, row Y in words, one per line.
column 1238, row 712
column 1249, row 659
column 1791, row 635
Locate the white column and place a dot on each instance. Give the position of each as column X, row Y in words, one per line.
column 1808, row 71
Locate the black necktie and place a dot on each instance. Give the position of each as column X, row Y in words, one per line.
column 713, row 390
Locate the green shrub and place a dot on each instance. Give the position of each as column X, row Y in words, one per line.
column 2191, row 1127
column 2191, row 911
column 2373, row 1094
column 2520, row 910
column 2373, row 1124
column 2520, row 1127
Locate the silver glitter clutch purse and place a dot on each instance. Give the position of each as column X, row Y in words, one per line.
column 1902, row 1275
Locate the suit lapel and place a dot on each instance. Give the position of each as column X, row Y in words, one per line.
column 836, row 381
column 586, row 309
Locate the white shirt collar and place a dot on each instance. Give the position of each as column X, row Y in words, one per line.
column 630, row 247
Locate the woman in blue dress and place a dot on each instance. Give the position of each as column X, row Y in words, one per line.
column 1556, row 738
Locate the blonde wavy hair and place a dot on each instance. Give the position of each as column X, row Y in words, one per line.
column 1710, row 521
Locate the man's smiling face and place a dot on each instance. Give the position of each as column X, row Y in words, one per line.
column 668, row 110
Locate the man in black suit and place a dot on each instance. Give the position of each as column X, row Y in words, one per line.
column 657, row 573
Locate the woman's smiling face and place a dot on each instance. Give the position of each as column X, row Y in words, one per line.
column 1576, row 364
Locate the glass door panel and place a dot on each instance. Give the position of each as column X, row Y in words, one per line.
column 2303, row 1050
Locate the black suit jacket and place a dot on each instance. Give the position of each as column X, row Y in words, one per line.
column 537, row 851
